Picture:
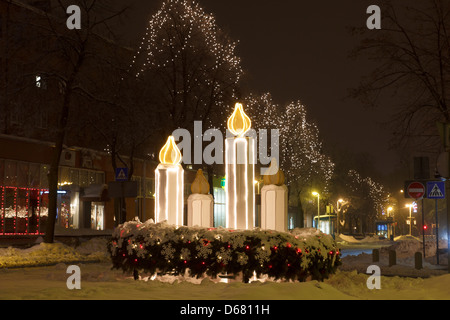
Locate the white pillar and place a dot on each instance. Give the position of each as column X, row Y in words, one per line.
column 274, row 208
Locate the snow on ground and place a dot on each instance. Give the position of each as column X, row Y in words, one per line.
column 99, row 281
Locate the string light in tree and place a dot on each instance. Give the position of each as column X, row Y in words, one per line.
column 301, row 156
column 191, row 62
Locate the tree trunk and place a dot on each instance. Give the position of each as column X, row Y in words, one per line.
column 54, row 167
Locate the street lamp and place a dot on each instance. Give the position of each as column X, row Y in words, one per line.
column 318, row 207
column 389, row 210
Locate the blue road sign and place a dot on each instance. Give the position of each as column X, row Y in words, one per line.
column 121, row 174
column 435, row 189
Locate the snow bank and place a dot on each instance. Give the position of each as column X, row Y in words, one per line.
column 342, row 238
column 48, row 254
column 405, row 248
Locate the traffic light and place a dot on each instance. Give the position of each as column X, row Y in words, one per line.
column 425, row 227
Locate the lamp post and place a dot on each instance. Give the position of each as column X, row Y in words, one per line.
column 318, row 207
column 390, row 224
column 410, row 218
column 337, row 214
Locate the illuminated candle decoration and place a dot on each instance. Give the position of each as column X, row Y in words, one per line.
column 169, row 185
column 240, row 172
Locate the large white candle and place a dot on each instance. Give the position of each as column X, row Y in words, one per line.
column 169, row 184
column 240, row 172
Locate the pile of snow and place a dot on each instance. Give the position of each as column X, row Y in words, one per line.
column 94, row 245
column 342, row 238
column 405, row 248
column 346, row 238
column 53, row 253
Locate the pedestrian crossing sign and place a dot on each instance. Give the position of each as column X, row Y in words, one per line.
column 435, row 189
column 122, row 174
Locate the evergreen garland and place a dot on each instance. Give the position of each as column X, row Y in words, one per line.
column 162, row 248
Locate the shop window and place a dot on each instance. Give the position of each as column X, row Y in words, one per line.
column 22, row 203
column 84, row 179
column 9, row 207
column 33, row 211
column 74, row 176
column 22, row 174
column 43, row 210
column 97, row 215
column 64, row 177
column 44, row 176
column 219, row 208
column 34, row 175
column 65, row 217
column 92, row 177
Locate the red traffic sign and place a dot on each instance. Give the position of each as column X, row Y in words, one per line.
column 416, row 190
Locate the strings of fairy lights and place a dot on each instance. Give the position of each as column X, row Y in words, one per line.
column 184, row 47
column 300, row 145
column 374, row 191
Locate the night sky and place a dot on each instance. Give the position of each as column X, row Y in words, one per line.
column 298, row 50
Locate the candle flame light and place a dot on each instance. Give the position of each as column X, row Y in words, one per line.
column 170, row 154
column 239, row 123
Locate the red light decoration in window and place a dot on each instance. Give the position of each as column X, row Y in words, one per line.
column 17, row 228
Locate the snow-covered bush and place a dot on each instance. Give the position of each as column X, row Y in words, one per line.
column 163, row 248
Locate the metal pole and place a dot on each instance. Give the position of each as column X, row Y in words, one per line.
column 318, row 211
column 337, row 217
column 410, row 220
column 423, row 229
column 437, row 233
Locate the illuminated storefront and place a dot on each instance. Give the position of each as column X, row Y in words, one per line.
column 385, row 228
column 326, row 223
column 24, row 198
column 23, row 210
